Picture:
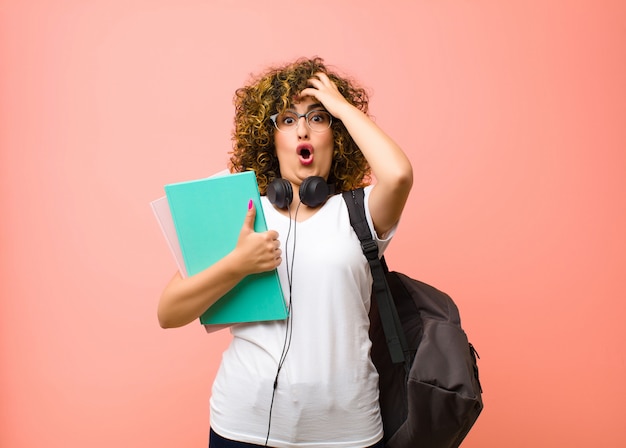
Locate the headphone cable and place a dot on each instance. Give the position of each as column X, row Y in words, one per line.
column 289, row 324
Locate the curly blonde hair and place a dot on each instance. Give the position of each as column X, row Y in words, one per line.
column 272, row 92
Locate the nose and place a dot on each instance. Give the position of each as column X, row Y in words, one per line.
column 303, row 128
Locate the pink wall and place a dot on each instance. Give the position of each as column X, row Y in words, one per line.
column 513, row 114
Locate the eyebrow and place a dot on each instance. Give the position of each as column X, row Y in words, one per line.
column 311, row 107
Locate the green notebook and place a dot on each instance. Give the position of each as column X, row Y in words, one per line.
column 208, row 215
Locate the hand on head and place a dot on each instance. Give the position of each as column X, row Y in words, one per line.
column 322, row 88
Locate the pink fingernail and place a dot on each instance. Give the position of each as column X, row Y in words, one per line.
column 250, row 204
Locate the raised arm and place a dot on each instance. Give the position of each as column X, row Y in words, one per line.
column 185, row 299
column 391, row 167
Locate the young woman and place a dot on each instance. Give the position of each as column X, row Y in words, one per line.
column 307, row 381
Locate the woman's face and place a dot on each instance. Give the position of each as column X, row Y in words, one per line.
column 302, row 152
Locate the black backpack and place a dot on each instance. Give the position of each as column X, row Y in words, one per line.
column 430, row 393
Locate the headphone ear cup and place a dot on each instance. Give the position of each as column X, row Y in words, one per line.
column 315, row 191
column 280, row 193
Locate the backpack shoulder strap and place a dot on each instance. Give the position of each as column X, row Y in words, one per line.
column 398, row 347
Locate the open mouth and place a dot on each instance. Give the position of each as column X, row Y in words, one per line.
column 305, row 152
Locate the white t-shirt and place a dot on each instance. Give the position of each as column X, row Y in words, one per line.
column 327, row 388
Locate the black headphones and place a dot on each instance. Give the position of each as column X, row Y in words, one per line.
column 314, row 191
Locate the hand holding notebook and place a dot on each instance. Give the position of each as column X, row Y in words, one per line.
column 207, row 216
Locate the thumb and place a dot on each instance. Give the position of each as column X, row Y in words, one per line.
column 248, row 222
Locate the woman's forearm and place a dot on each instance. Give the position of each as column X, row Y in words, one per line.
column 184, row 299
column 390, row 166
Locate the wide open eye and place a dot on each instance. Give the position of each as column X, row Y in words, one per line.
column 319, row 120
column 320, row 117
column 286, row 120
